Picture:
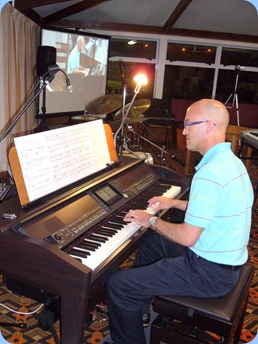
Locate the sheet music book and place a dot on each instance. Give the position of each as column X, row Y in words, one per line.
column 56, row 158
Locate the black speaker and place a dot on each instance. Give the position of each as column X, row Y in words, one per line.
column 46, row 56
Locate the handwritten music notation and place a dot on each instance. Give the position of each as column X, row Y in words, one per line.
column 56, row 158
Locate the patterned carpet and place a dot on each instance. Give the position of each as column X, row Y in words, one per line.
column 96, row 329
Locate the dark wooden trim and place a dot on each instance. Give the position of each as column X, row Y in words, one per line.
column 155, row 30
column 68, row 11
column 25, row 5
column 178, row 11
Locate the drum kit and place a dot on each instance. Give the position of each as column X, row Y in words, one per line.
column 111, row 104
column 110, row 109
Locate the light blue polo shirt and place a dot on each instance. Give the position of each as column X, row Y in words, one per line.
column 73, row 60
column 221, row 200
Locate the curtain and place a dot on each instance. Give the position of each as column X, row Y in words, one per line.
column 19, row 38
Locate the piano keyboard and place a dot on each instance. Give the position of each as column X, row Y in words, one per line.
column 93, row 250
column 251, row 136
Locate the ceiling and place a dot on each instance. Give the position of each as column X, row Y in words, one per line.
column 221, row 19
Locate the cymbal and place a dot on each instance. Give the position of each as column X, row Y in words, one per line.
column 135, row 120
column 83, row 119
column 105, row 104
column 139, row 107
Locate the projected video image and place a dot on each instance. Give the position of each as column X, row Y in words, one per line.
column 84, row 59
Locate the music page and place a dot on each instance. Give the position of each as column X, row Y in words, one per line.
column 56, row 158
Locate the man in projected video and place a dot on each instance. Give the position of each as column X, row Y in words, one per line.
column 74, row 66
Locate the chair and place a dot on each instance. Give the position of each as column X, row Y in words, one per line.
column 192, row 320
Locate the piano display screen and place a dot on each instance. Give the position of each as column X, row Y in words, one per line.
column 108, row 195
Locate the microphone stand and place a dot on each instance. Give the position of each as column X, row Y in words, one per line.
column 45, row 83
column 162, row 150
column 136, row 91
column 124, row 86
column 52, row 70
column 43, row 126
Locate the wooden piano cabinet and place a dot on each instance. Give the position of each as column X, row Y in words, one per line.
column 43, row 266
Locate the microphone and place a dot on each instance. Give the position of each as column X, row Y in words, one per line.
column 68, row 84
column 52, row 70
column 179, row 161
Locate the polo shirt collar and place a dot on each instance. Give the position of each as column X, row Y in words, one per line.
column 218, row 148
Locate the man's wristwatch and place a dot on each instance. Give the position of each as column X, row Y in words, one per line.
column 153, row 220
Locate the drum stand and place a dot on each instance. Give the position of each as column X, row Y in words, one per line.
column 235, row 96
column 162, row 150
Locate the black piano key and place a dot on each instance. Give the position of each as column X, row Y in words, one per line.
column 105, row 233
column 79, row 260
column 140, row 204
column 120, row 216
column 111, row 225
column 87, row 247
column 98, row 238
column 116, row 223
column 111, row 230
column 121, row 221
column 78, row 253
column 93, row 244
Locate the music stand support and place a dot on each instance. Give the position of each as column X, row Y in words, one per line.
column 234, row 94
column 162, row 150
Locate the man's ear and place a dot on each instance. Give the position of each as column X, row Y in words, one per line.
column 209, row 126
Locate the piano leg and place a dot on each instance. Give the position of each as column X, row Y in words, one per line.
column 43, row 267
column 73, row 321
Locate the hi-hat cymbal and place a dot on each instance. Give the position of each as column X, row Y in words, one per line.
column 105, row 104
column 139, row 107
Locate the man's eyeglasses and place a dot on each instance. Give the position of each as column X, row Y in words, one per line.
column 189, row 124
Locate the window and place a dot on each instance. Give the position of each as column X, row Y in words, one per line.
column 242, row 57
column 188, row 82
column 115, row 84
column 245, row 83
column 191, row 53
column 140, row 49
column 134, row 58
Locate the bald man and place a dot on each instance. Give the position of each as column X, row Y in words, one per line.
column 73, row 65
column 204, row 255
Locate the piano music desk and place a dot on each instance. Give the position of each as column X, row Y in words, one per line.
column 233, row 136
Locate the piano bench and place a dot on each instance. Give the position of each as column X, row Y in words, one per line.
column 192, row 320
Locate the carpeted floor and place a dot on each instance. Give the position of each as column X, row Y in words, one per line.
column 96, row 329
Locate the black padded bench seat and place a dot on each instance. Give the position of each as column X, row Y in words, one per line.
column 184, row 319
